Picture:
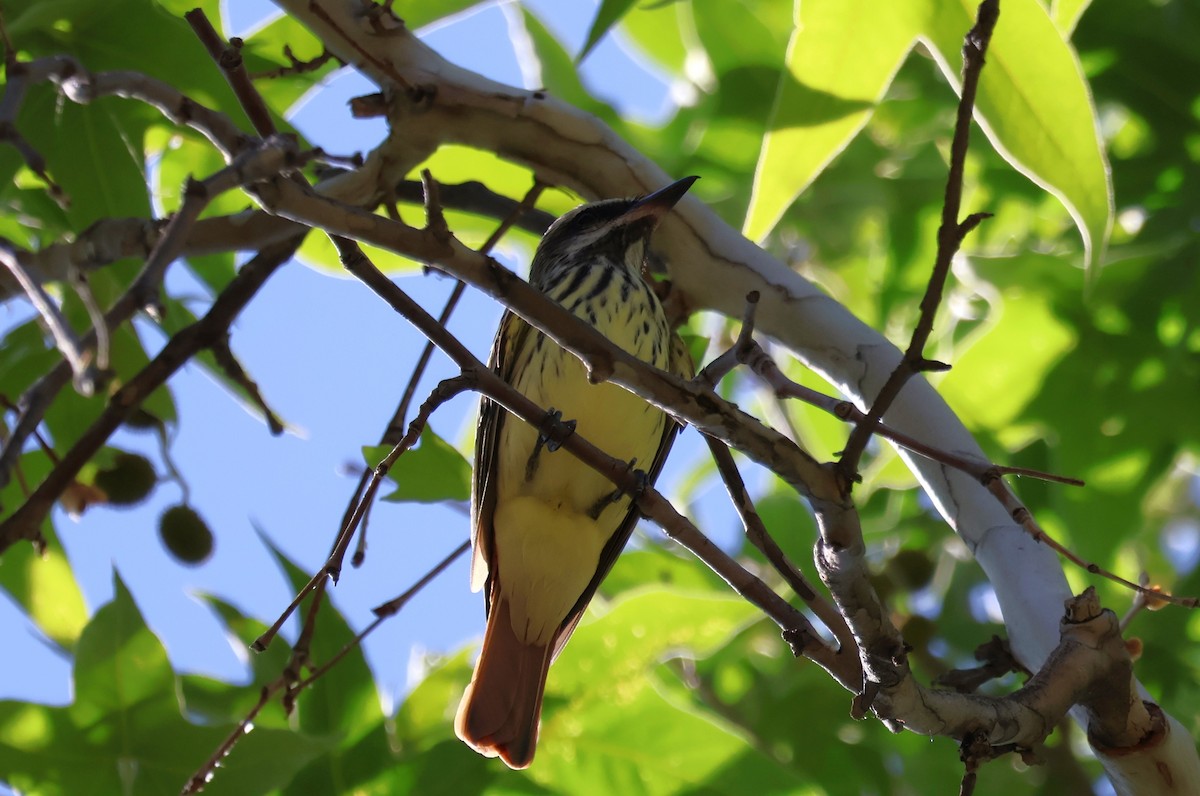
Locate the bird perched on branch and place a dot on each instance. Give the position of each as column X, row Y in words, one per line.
column 547, row 528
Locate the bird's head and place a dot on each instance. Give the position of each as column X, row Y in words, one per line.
column 614, row 229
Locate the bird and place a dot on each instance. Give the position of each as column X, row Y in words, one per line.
column 546, row 528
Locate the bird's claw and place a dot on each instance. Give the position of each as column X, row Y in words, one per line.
column 554, row 430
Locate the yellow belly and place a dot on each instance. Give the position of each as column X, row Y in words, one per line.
column 551, row 521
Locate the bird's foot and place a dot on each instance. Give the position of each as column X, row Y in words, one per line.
column 554, row 431
column 643, row 482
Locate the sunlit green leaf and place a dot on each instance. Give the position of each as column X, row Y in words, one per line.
column 418, row 13
column 990, row 389
column 43, row 586
column 1032, row 102
column 826, row 95
column 657, row 30
column 124, row 726
column 1035, row 107
column 558, row 72
column 432, row 471
column 1066, row 14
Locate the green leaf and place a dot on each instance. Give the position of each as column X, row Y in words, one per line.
column 609, row 13
column 1066, row 14
column 124, row 732
column 430, row 472
column 737, row 35
column 344, row 699
column 616, row 643
column 1033, row 102
column 24, row 357
column 832, row 83
column 264, row 53
column 218, row 702
column 605, row 723
column 657, row 30
column 988, row 388
column 1036, row 109
column 418, row 13
column 341, row 706
column 44, row 586
column 655, row 564
column 558, row 72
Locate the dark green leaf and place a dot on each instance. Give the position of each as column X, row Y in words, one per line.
column 124, row 729
column 609, row 13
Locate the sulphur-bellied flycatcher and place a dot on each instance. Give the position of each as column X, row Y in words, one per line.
column 547, row 528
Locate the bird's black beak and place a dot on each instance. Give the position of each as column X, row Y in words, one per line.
column 656, row 205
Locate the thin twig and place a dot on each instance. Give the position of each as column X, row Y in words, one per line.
column 1023, row 517
column 229, row 57
column 717, row 369
column 83, row 289
column 950, row 237
column 268, row 160
column 297, row 66
column 82, row 366
column 197, row 782
column 989, row 475
column 386, row 611
column 112, row 239
column 753, row 356
column 758, row 535
column 333, row 564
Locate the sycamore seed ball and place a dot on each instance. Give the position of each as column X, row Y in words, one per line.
column 185, row 535
column 128, row 481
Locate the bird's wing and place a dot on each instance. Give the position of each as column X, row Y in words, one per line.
column 509, row 339
column 680, row 364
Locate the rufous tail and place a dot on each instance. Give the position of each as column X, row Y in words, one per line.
column 500, row 710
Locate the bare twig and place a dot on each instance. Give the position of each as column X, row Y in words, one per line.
column 757, row 533
column 717, row 369
column 950, row 237
column 34, row 161
column 273, row 157
column 508, row 221
column 111, row 239
column 752, row 355
column 229, row 57
column 296, row 66
column 1023, row 517
column 386, row 611
column 204, row 774
column 83, row 289
column 82, row 364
